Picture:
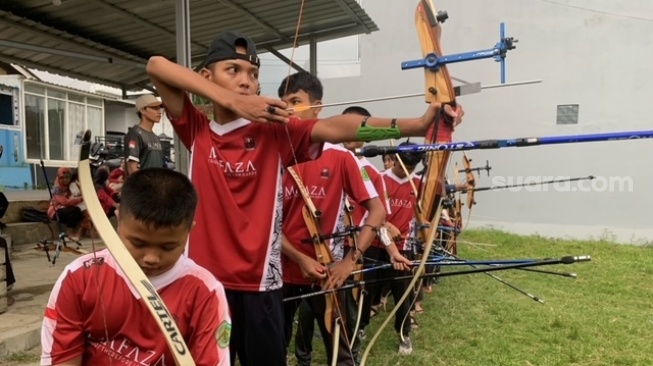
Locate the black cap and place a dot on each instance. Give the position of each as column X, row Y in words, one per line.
column 224, row 45
column 410, row 158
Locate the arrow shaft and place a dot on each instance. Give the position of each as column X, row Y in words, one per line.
column 481, row 189
column 460, row 90
column 371, row 150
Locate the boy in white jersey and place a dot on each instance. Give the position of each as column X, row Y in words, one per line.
column 94, row 317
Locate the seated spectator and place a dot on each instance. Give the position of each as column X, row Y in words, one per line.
column 104, row 192
column 117, row 177
column 65, row 207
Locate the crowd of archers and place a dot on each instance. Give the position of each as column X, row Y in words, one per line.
column 276, row 207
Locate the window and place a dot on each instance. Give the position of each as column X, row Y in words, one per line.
column 53, row 118
column 7, row 110
column 567, row 114
column 76, row 118
column 35, row 126
column 56, row 121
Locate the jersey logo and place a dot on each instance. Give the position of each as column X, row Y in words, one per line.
column 324, row 174
column 366, row 176
column 132, row 144
column 235, row 169
column 99, row 261
column 223, row 334
column 249, row 143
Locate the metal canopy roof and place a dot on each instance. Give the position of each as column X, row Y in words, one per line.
column 109, row 41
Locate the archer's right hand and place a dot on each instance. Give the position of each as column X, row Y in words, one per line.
column 311, row 269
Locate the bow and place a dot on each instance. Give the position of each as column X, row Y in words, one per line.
column 439, row 88
column 358, row 293
column 127, row 264
column 333, row 316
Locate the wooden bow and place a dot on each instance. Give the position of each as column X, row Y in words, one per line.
column 322, row 252
column 358, row 292
column 127, row 264
column 439, row 88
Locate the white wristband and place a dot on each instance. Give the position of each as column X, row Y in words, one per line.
column 384, row 236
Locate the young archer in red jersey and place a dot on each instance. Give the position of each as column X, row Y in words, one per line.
column 234, row 157
column 93, row 316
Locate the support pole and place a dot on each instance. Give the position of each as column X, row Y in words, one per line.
column 182, row 27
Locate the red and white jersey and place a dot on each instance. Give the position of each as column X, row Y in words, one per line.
column 328, row 179
column 402, row 202
column 92, row 299
column 237, row 171
column 360, row 214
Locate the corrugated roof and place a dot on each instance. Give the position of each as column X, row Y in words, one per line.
column 128, row 32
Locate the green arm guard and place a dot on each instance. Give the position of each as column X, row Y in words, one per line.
column 366, row 133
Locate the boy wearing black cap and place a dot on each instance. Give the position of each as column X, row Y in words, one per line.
column 236, row 166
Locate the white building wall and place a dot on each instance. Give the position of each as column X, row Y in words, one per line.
column 119, row 117
column 598, row 59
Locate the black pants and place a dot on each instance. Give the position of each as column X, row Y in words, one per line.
column 306, row 329
column 318, row 308
column 373, row 291
column 10, row 272
column 70, row 216
column 304, row 334
column 257, row 335
column 396, row 287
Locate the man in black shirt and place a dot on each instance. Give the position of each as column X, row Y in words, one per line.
column 142, row 146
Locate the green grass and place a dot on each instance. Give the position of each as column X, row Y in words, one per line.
column 603, row 317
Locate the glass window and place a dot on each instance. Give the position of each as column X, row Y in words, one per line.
column 53, row 93
column 52, row 136
column 35, row 126
column 56, row 121
column 95, row 122
column 97, row 102
column 76, row 97
column 567, row 114
column 7, row 109
column 76, row 117
column 33, row 88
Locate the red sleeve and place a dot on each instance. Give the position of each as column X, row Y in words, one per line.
column 116, row 174
column 209, row 343
column 105, row 200
column 300, row 139
column 62, row 331
column 66, row 201
column 358, row 186
column 192, row 121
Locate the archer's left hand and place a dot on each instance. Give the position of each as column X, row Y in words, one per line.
column 434, row 111
column 459, row 113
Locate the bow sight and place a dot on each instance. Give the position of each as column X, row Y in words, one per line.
column 498, row 52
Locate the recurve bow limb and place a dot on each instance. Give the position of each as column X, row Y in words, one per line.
column 438, row 89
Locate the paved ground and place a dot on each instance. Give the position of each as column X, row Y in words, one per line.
column 20, row 326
